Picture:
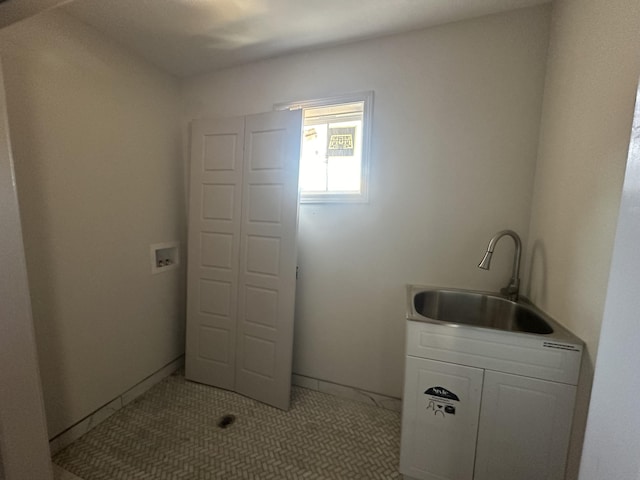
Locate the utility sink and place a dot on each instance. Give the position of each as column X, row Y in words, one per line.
column 487, row 330
column 490, row 385
column 478, row 309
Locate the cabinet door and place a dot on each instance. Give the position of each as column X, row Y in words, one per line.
column 439, row 420
column 524, row 428
column 214, row 247
column 266, row 295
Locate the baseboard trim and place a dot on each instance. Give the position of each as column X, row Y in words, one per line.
column 78, row 429
column 343, row 391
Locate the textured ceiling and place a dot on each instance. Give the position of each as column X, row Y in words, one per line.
column 12, row 11
column 185, row 37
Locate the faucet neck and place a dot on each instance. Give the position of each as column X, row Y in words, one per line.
column 513, row 288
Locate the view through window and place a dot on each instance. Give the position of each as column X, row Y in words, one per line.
column 334, row 150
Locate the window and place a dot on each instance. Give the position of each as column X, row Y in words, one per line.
column 334, row 155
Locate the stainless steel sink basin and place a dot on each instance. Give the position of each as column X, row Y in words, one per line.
column 478, row 309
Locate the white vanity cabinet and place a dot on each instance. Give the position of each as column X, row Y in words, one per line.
column 524, row 428
column 439, row 433
column 486, row 405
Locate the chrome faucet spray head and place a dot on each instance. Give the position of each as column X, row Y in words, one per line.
column 485, row 264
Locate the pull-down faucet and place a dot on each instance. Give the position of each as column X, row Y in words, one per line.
column 512, row 289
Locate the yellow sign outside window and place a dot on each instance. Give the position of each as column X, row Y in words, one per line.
column 341, row 142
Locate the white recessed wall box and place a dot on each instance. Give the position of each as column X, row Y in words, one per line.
column 165, row 256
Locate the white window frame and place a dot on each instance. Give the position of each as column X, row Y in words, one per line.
column 367, row 115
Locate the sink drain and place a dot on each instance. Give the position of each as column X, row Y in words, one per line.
column 226, row 420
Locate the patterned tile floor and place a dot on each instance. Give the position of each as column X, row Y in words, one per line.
column 61, row 474
column 172, row 432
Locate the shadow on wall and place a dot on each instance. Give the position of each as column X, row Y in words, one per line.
column 537, row 276
column 538, row 294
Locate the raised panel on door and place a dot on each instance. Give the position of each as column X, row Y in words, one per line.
column 266, row 292
column 439, row 420
column 524, row 430
column 215, row 207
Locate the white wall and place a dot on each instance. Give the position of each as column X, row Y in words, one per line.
column 455, row 130
column 593, row 68
column 24, row 450
column 612, row 440
column 96, row 144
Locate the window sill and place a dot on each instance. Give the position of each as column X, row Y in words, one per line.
column 333, row 198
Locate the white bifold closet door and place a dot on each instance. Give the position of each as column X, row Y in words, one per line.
column 243, row 214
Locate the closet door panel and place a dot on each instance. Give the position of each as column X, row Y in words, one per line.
column 215, row 207
column 266, row 293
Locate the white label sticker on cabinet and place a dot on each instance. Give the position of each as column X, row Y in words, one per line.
column 561, row 346
column 440, row 400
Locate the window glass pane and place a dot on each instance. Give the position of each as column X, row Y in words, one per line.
column 334, row 158
column 331, row 154
column 313, row 159
column 343, row 171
